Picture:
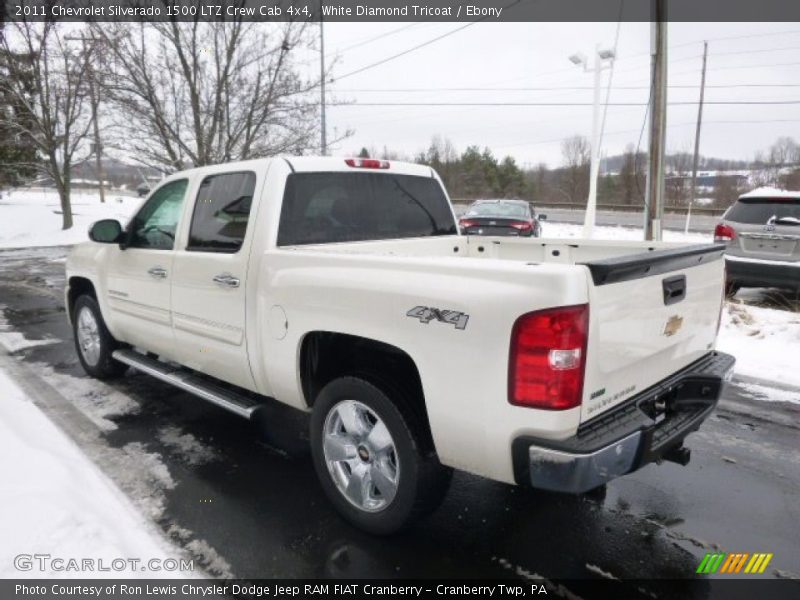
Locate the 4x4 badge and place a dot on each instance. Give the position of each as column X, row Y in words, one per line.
column 426, row 314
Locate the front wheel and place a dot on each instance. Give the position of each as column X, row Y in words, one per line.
column 369, row 456
column 93, row 341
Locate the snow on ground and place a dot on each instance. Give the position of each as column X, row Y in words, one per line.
column 98, row 401
column 33, row 217
column 186, row 447
column 13, row 341
column 610, row 232
column 56, row 501
column 770, row 394
column 765, row 342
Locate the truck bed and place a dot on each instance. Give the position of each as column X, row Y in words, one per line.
column 654, row 306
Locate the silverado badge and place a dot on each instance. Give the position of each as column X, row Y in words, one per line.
column 673, row 324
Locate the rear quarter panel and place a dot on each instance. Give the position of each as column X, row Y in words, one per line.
column 464, row 373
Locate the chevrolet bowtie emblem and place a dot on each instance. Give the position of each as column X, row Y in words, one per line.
column 673, row 324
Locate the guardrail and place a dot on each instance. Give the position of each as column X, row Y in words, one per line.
column 678, row 210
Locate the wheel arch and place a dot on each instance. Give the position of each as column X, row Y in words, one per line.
column 78, row 286
column 325, row 356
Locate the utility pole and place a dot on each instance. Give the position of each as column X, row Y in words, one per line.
column 654, row 200
column 696, row 157
column 323, row 133
column 94, row 102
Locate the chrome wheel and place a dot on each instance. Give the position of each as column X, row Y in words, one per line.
column 88, row 332
column 361, row 456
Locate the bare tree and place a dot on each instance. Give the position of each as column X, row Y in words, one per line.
column 576, row 152
column 45, row 77
column 202, row 93
column 679, row 181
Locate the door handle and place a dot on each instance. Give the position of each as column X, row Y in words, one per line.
column 158, row 272
column 227, row 280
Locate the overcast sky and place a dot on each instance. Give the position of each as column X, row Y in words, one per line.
column 534, row 55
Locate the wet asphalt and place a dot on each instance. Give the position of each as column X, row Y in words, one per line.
column 257, row 512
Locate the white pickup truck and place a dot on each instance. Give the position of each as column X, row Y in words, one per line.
column 343, row 288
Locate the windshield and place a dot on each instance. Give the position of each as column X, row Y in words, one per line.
column 757, row 211
column 321, row 208
column 499, row 209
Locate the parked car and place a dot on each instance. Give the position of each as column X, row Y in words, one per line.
column 143, row 190
column 762, row 236
column 501, row 217
column 343, row 288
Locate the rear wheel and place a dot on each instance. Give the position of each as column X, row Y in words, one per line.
column 93, row 341
column 369, row 456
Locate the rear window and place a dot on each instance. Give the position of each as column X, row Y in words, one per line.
column 757, row 211
column 346, row 207
column 221, row 212
column 499, row 209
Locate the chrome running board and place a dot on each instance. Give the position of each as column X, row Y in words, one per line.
column 189, row 382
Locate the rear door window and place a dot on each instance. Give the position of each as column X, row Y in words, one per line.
column 221, row 212
column 757, row 211
column 344, row 207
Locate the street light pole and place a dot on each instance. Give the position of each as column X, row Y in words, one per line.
column 594, row 169
column 602, row 61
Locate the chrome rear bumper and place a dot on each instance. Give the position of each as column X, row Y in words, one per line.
column 629, row 436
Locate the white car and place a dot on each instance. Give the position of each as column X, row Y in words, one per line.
column 343, row 288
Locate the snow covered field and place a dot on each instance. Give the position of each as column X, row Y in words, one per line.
column 56, row 501
column 33, row 218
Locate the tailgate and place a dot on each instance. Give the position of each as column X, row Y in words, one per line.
column 650, row 315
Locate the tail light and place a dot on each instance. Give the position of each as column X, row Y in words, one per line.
column 548, row 358
column 522, row 226
column 366, row 163
column 467, row 223
column 724, row 233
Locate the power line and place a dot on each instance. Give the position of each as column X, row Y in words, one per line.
column 404, row 52
column 559, row 88
column 488, row 104
column 378, row 37
column 418, row 46
column 674, row 125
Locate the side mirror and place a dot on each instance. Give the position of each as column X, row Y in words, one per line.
column 541, row 217
column 107, row 231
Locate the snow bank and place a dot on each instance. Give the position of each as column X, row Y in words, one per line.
column 56, row 501
column 33, row 218
column 765, row 342
column 606, row 232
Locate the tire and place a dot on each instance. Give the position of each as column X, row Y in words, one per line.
column 360, row 435
column 93, row 342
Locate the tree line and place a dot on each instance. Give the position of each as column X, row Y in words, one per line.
column 477, row 173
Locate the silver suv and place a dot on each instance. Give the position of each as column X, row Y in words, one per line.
column 762, row 232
